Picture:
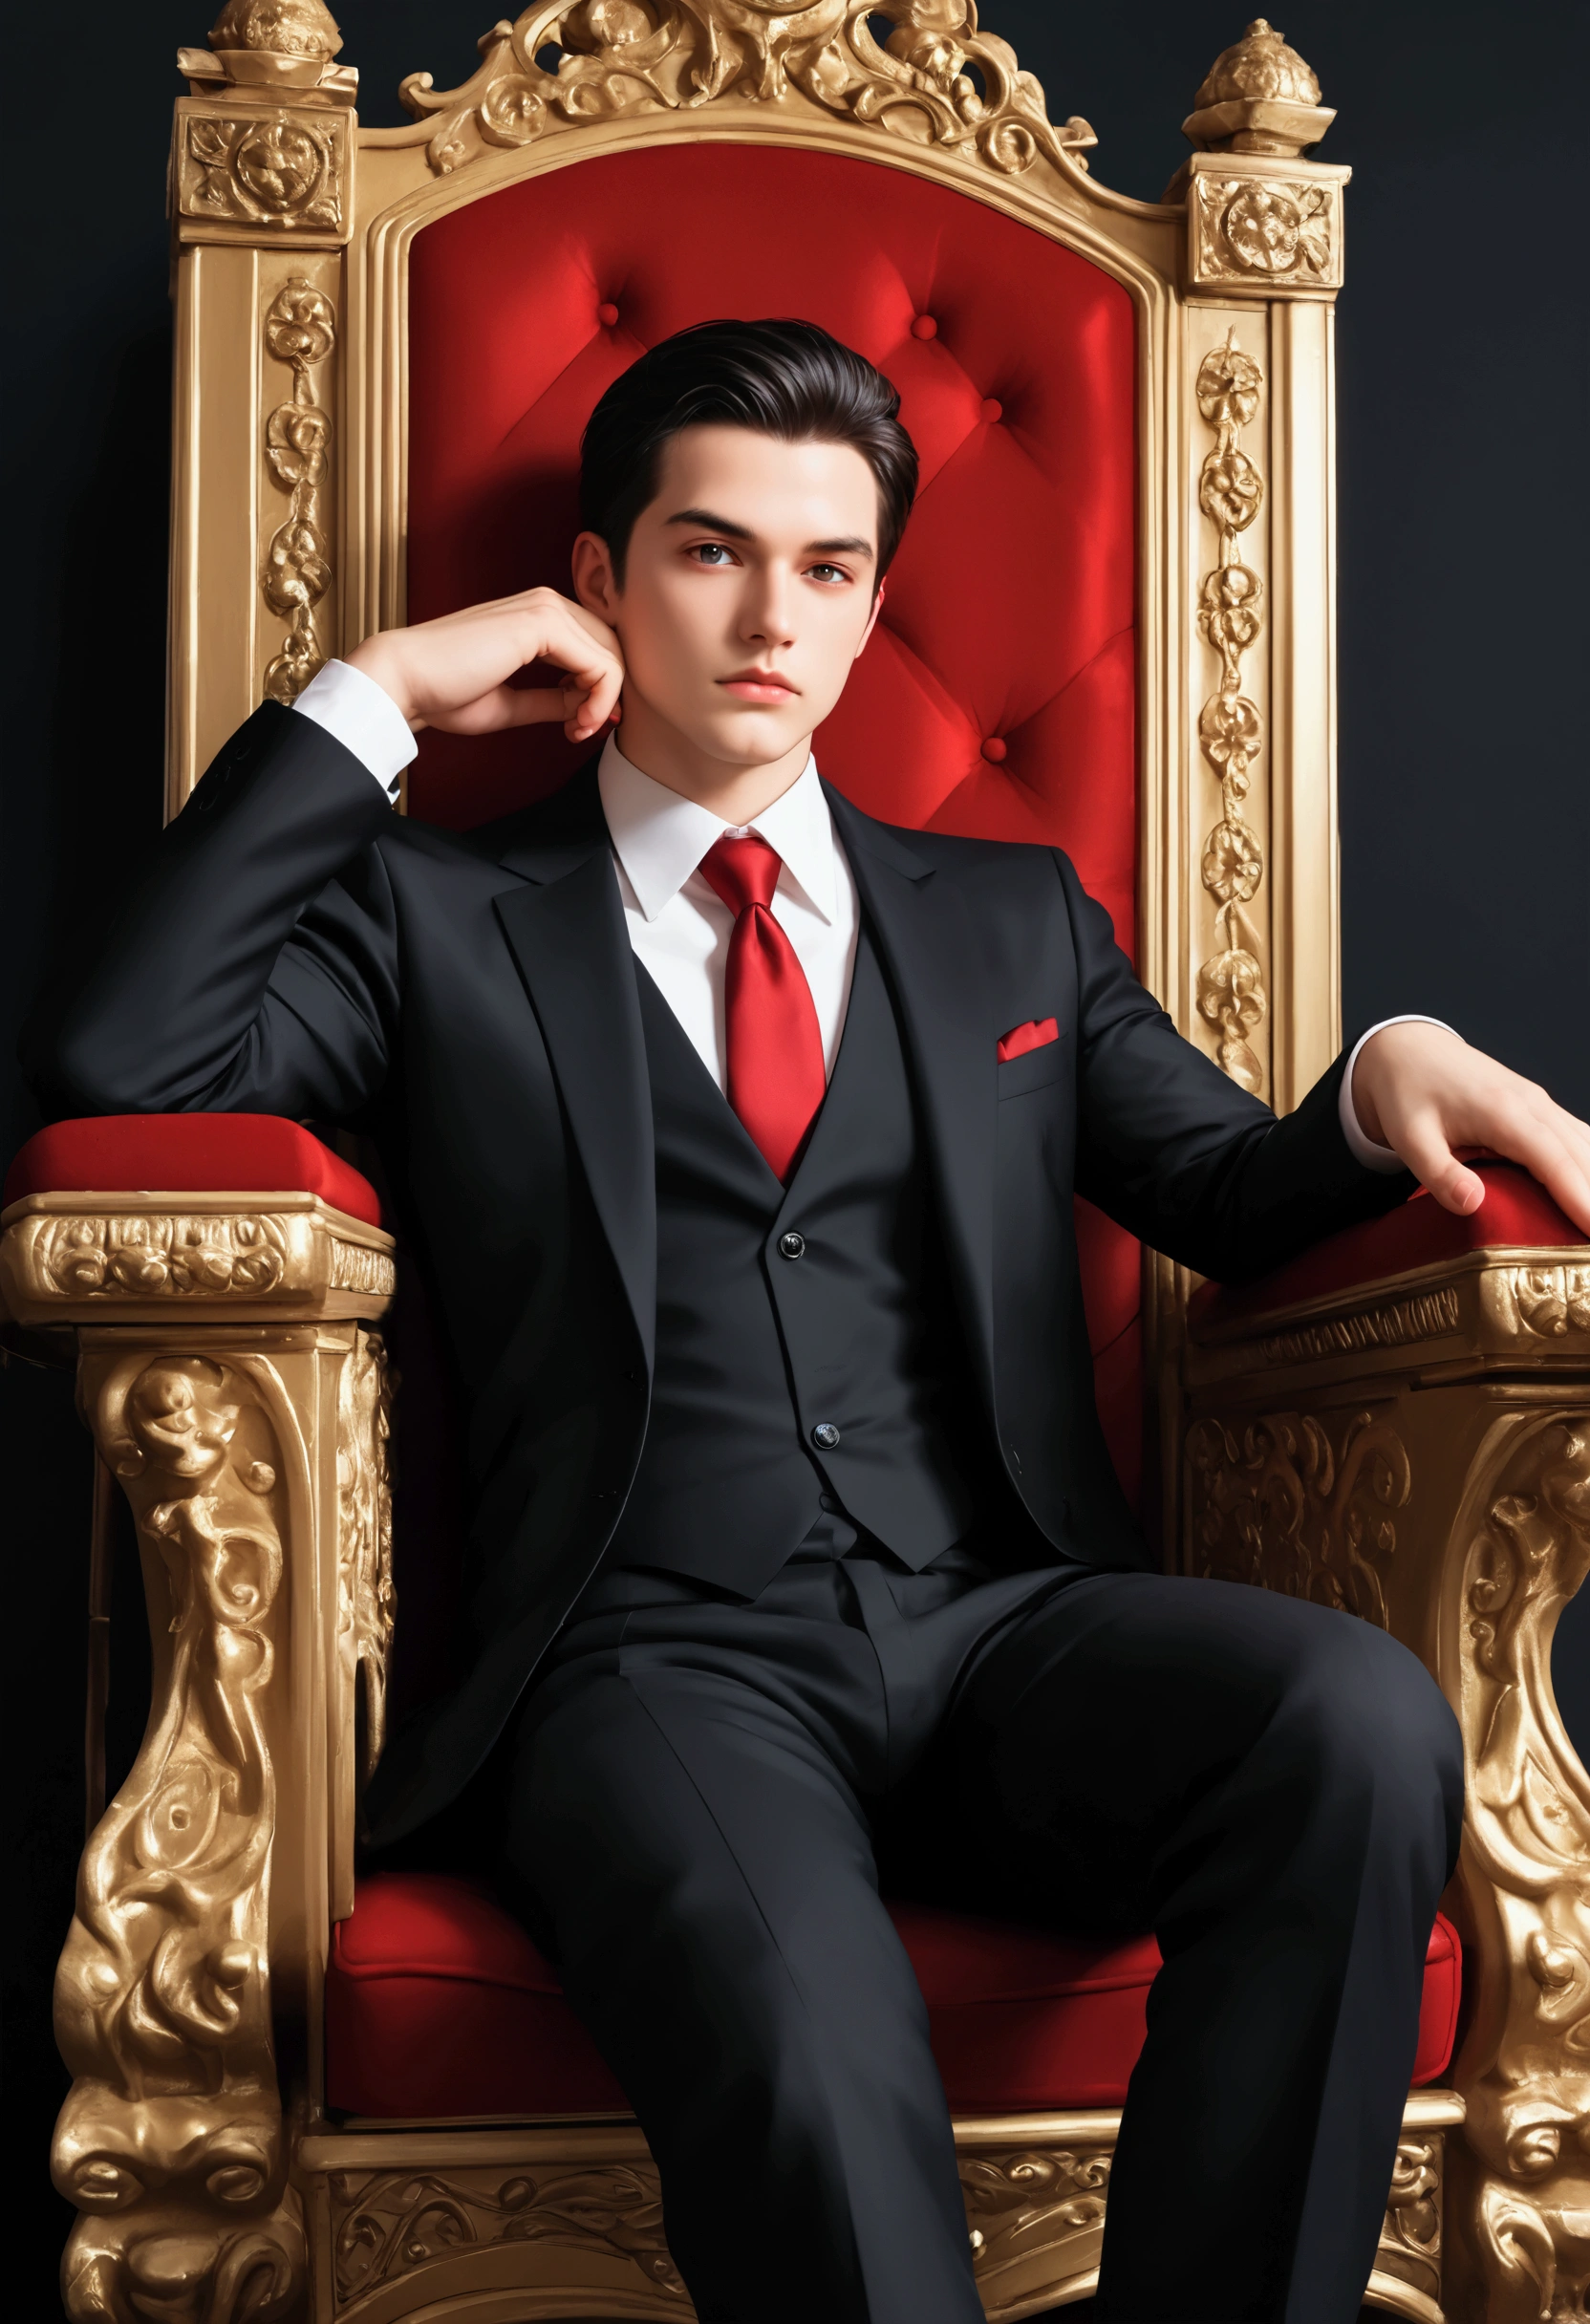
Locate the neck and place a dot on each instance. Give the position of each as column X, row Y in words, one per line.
column 732, row 791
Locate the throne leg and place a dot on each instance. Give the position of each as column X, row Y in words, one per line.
column 1523, row 1537
column 171, row 2141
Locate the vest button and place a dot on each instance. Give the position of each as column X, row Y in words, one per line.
column 825, row 1435
column 792, row 1246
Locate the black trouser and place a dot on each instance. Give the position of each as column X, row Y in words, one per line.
column 702, row 1792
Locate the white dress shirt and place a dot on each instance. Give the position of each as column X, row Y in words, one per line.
column 678, row 928
column 681, row 929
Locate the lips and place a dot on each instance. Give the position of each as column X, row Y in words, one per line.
column 759, row 687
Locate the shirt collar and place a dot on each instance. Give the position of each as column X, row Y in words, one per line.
column 660, row 837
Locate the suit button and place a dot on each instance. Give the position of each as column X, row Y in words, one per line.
column 825, row 1435
column 792, row 1246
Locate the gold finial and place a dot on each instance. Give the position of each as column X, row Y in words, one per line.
column 271, row 44
column 277, row 27
column 1258, row 97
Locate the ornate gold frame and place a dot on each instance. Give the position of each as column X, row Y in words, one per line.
column 236, row 1388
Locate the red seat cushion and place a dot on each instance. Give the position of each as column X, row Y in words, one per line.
column 1517, row 1211
column 189, row 1154
column 438, row 2004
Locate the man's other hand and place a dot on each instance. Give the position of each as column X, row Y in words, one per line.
column 453, row 673
column 1423, row 1092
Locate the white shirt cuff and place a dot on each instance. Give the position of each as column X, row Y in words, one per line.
column 363, row 718
column 1368, row 1150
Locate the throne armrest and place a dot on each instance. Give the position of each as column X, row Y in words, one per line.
column 220, row 1271
column 1399, row 1424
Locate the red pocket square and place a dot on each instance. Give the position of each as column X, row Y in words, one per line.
column 1035, row 1034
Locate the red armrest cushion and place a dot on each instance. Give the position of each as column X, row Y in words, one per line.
column 189, row 1154
column 1517, row 1210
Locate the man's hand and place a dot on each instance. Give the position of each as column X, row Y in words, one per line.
column 453, row 673
column 1421, row 1090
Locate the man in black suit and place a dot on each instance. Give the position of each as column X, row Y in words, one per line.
column 796, row 1545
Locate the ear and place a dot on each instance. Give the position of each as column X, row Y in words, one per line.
column 594, row 585
column 872, row 622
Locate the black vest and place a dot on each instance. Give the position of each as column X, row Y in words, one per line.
column 805, row 1339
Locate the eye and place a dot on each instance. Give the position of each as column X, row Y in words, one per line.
column 828, row 574
column 714, row 554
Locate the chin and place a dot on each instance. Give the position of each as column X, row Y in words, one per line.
column 760, row 746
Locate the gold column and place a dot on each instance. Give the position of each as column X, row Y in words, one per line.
column 1263, row 262
column 261, row 195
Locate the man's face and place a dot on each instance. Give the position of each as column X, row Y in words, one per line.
column 749, row 589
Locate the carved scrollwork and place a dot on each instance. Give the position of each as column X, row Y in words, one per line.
column 388, row 2223
column 1281, row 1505
column 170, row 2140
column 1410, row 2237
column 1427, row 1316
column 619, row 58
column 1526, row 1850
column 300, row 331
column 354, row 1267
column 367, row 1603
column 141, row 1257
column 1231, row 996
column 1035, row 2200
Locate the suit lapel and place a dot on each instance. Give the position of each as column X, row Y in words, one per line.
column 565, row 927
column 925, row 935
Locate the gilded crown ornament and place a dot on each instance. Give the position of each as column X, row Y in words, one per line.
column 616, row 59
column 1258, row 97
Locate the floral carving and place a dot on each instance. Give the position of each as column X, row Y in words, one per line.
column 388, row 2223
column 170, row 2140
column 281, row 170
column 1525, row 2071
column 1281, row 231
column 1231, row 997
column 300, row 331
column 1281, row 1505
column 1551, row 1303
column 617, row 57
column 144, row 1257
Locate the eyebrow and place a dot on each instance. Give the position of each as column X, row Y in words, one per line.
column 852, row 545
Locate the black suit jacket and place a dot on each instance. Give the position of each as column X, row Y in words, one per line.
column 470, row 1002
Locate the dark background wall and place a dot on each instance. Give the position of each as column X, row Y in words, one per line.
column 1465, row 796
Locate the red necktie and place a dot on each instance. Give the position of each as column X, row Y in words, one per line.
column 776, row 1077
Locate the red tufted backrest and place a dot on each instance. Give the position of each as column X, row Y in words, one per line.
column 997, row 697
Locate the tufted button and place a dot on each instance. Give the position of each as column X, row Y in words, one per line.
column 924, row 327
column 993, row 410
column 825, row 1435
column 792, row 1245
column 607, row 313
column 992, row 748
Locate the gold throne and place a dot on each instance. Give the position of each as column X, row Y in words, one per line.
column 1400, row 1426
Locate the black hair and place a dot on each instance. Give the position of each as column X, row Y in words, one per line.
column 782, row 378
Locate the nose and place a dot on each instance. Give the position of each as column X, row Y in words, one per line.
column 767, row 610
